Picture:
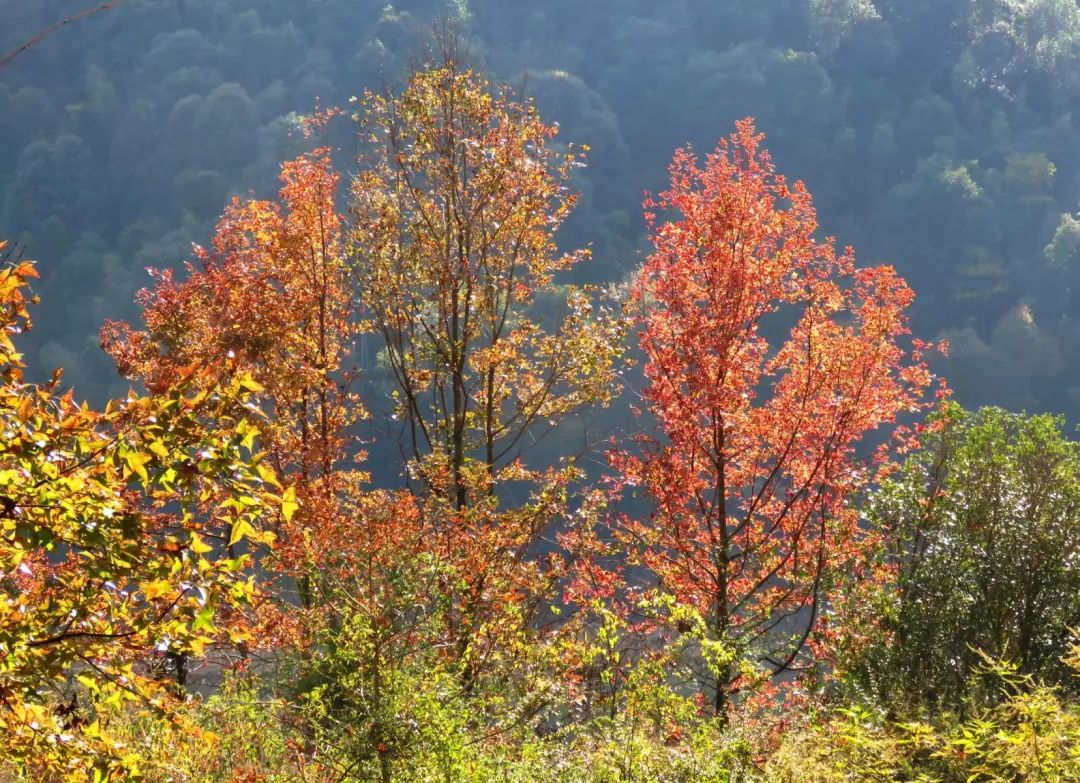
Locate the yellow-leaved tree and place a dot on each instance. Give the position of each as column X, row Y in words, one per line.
column 120, row 549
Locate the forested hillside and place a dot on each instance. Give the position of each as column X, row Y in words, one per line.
column 937, row 135
column 550, row 392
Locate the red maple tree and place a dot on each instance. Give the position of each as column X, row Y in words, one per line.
column 757, row 453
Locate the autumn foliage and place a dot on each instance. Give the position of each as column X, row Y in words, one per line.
column 118, row 528
column 455, row 211
column 496, row 611
column 269, row 298
column 769, row 357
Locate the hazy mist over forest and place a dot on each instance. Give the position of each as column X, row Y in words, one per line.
column 940, row 136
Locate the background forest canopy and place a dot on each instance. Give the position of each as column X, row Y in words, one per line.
column 355, row 520
column 936, row 135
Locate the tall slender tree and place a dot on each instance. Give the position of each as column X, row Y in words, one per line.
column 460, row 193
column 755, row 461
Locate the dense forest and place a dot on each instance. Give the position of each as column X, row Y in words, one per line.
column 580, row 392
column 936, row 135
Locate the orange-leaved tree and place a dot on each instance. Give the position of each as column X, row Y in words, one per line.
column 116, row 529
column 769, row 357
column 270, row 298
column 460, row 192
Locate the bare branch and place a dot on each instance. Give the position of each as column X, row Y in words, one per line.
column 7, row 58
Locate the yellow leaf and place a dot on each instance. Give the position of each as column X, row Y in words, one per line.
column 136, row 462
column 240, row 530
column 267, row 474
column 156, row 589
column 250, row 384
column 197, row 645
column 248, row 432
column 198, row 546
column 289, row 504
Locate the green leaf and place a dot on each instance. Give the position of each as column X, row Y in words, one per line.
column 204, row 619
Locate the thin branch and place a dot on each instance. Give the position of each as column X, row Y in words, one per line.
column 54, row 28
